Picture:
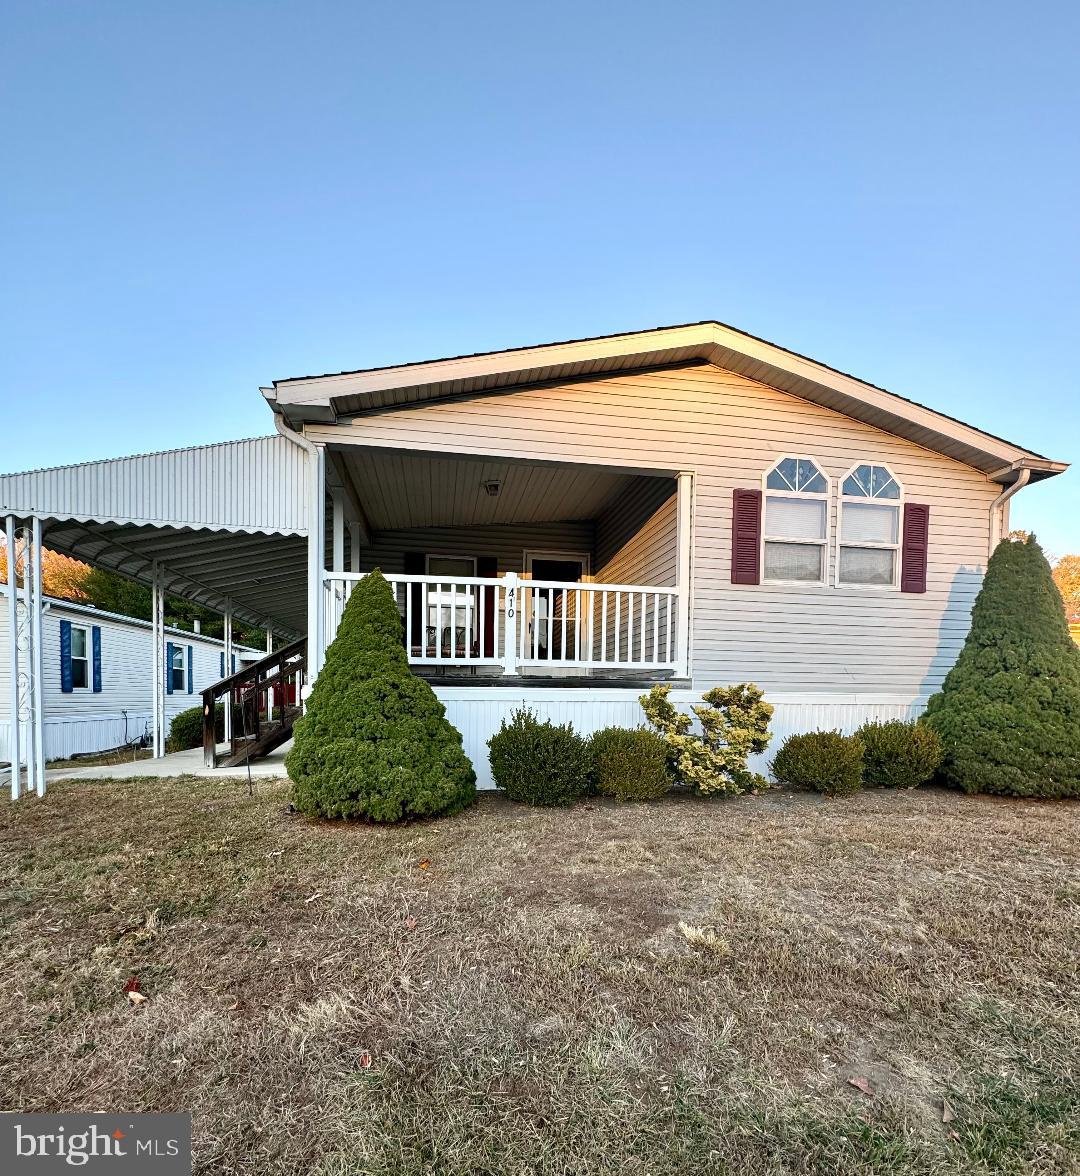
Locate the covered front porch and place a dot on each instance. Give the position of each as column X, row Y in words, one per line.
column 512, row 568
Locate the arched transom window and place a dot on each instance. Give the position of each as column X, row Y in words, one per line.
column 796, row 522
column 869, row 532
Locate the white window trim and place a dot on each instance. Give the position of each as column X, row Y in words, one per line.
column 825, row 543
column 581, row 557
column 898, row 546
column 88, row 658
column 182, row 650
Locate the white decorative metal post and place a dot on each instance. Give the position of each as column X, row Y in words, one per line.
column 15, row 750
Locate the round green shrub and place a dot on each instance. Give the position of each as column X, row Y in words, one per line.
column 1008, row 712
column 824, row 761
column 185, row 731
column 630, row 764
column 374, row 741
column 899, row 754
column 539, row 763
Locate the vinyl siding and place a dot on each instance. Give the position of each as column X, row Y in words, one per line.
column 728, row 429
column 127, row 677
column 507, row 544
column 636, row 537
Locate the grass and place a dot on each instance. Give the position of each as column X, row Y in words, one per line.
column 687, row 986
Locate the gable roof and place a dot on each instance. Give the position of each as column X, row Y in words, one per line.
column 328, row 397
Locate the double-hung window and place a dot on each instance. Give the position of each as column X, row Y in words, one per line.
column 869, row 531
column 177, row 669
column 80, row 658
column 795, row 530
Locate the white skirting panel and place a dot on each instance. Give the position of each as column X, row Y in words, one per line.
column 478, row 711
column 84, row 734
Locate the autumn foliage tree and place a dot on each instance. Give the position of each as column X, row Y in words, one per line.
column 1067, row 578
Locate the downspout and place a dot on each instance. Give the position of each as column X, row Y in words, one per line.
column 996, row 507
column 316, row 561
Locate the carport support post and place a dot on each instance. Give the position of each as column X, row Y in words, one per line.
column 37, row 666
column 270, row 692
column 157, row 596
column 14, row 751
column 228, row 668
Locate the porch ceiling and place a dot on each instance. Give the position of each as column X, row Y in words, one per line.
column 403, row 489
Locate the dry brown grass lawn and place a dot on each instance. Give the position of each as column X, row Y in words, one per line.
column 682, row 987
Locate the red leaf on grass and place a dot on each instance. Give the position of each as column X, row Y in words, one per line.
column 132, row 985
column 861, row 1084
column 365, row 1061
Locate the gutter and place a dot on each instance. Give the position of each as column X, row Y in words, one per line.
column 997, row 507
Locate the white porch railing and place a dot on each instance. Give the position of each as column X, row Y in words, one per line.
column 511, row 623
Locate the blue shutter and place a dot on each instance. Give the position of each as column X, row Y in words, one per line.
column 168, row 667
column 223, row 663
column 95, row 637
column 233, row 670
column 190, row 670
column 66, row 684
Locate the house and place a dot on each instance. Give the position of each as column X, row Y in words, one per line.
column 565, row 525
column 97, row 685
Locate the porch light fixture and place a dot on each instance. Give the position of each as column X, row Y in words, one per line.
column 492, row 488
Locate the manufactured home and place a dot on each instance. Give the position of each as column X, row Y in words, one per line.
column 566, row 525
column 97, row 682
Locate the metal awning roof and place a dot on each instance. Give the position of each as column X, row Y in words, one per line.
column 225, row 523
column 329, row 397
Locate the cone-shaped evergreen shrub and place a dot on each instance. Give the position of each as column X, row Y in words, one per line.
column 1009, row 711
column 374, row 741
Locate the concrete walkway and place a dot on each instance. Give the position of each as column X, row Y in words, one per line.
column 180, row 763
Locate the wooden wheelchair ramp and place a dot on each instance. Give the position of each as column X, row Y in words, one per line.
column 263, row 701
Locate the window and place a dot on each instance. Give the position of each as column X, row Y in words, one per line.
column 869, row 545
column 796, row 522
column 80, row 659
column 176, row 669
column 450, row 608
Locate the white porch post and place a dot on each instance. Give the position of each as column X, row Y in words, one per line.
column 37, row 665
column 14, row 750
column 685, row 570
column 338, row 499
column 316, row 595
column 354, row 547
column 158, row 609
column 512, row 588
column 228, row 668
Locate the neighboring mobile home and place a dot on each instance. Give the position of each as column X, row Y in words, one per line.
column 97, row 688
column 565, row 525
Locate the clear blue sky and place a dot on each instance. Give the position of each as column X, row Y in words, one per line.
column 199, row 198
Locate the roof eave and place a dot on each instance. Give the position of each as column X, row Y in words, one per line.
column 322, row 399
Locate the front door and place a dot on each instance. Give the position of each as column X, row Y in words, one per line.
column 550, row 606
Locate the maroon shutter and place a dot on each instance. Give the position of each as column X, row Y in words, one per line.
column 746, row 537
column 416, row 565
column 488, row 567
column 915, row 547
